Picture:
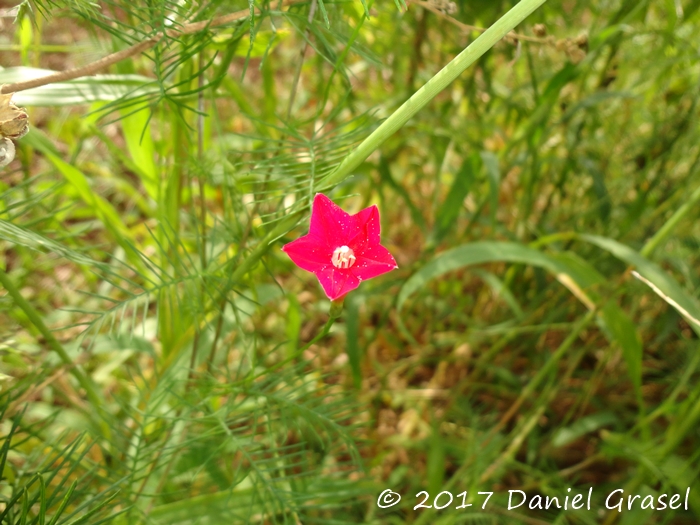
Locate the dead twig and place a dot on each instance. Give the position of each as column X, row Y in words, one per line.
column 575, row 48
column 430, row 6
column 94, row 67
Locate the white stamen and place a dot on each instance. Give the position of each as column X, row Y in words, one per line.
column 343, row 257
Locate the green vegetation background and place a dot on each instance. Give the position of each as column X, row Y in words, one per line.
column 154, row 356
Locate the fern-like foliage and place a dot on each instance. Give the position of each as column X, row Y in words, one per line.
column 272, row 448
column 204, row 419
column 44, row 476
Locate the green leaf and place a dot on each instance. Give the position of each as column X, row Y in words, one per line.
column 579, row 269
column 85, row 90
column 293, row 324
column 64, row 503
column 476, row 253
column 137, row 133
column 324, row 13
column 436, row 462
column 492, row 251
column 449, row 211
column 42, row 500
column 619, row 327
column 493, row 174
column 583, row 426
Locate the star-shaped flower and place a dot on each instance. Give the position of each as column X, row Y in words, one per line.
column 342, row 250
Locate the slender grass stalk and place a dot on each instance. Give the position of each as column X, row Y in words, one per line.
column 202, row 199
column 302, row 54
column 323, row 333
column 677, row 433
column 670, row 224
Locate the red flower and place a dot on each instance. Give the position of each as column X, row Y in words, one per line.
column 342, row 250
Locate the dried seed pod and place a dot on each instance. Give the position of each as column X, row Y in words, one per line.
column 7, row 152
column 582, row 41
column 575, row 54
column 446, row 6
column 14, row 121
column 539, row 30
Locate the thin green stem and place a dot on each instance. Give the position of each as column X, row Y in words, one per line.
column 670, row 224
column 323, row 333
column 434, row 86
column 302, row 54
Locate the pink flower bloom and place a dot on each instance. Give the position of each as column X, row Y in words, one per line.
column 342, row 250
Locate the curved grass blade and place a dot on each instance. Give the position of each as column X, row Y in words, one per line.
column 662, row 281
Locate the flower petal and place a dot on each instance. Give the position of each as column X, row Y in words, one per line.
column 308, row 253
column 337, row 282
column 373, row 261
column 328, row 222
column 364, row 229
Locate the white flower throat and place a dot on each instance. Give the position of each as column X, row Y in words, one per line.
column 343, row 257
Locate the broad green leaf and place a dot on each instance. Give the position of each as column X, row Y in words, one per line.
column 583, row 426
column 579, row 269
column 477, row 253
column 447, row 214
column 569, row 269
column 619, row 327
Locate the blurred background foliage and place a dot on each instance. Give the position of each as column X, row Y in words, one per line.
column 155, row 369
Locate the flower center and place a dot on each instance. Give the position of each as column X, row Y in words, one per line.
column 343, row 257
